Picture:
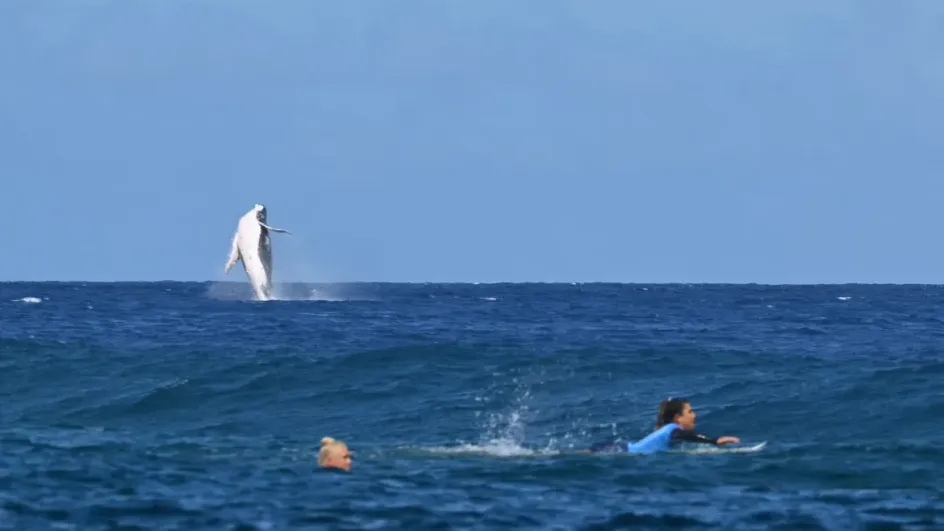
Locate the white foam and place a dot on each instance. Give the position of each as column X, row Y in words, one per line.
column 497, row 448
column 505, row 448
column 29, row 300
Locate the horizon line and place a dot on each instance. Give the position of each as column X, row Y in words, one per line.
column 497, row 282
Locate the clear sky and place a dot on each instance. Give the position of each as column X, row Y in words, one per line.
column 485, row 140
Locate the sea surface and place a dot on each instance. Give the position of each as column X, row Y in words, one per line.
column 189, row 406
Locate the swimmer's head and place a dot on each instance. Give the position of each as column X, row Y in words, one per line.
column 334, row 454
column 677, row 410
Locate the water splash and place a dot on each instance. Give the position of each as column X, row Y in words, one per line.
column 504, row 432
column 287, row 291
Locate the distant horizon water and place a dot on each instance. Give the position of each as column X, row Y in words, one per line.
column 486, row 282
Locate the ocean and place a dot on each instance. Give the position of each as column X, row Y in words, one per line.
column 173, row 405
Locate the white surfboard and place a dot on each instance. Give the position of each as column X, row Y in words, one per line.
column 724, row 450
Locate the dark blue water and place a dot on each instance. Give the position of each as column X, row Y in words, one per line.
column 181, row 406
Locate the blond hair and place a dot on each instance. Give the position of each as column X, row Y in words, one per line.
column 326, row 444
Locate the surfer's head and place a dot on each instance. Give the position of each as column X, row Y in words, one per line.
column 677, row 410
column 334, row 454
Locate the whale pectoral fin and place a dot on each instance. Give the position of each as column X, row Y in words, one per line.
column 232, row 261
column 273, row 229
column 233, row 256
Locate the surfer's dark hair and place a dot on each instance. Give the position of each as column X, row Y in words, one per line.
column 668, row 409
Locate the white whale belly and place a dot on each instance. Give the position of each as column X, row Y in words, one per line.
column 256, row 260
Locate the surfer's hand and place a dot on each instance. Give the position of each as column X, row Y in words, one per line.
column 728, row 440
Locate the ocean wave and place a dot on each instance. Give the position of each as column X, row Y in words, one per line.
column 161, row 406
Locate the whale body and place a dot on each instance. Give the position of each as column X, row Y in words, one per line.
column 252, row 246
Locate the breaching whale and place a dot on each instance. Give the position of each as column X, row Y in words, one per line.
column 252, row 245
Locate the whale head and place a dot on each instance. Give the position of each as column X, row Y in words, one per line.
column 260, row 211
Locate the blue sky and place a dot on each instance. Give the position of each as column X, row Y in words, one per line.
column 743, row 141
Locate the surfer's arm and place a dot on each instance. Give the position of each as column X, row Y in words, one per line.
column 694, row 437
column 233, row 254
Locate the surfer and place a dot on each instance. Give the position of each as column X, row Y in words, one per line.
column 674, row 425
column 334, row 454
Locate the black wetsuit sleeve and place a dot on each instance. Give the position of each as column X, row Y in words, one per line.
column 691, row 436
